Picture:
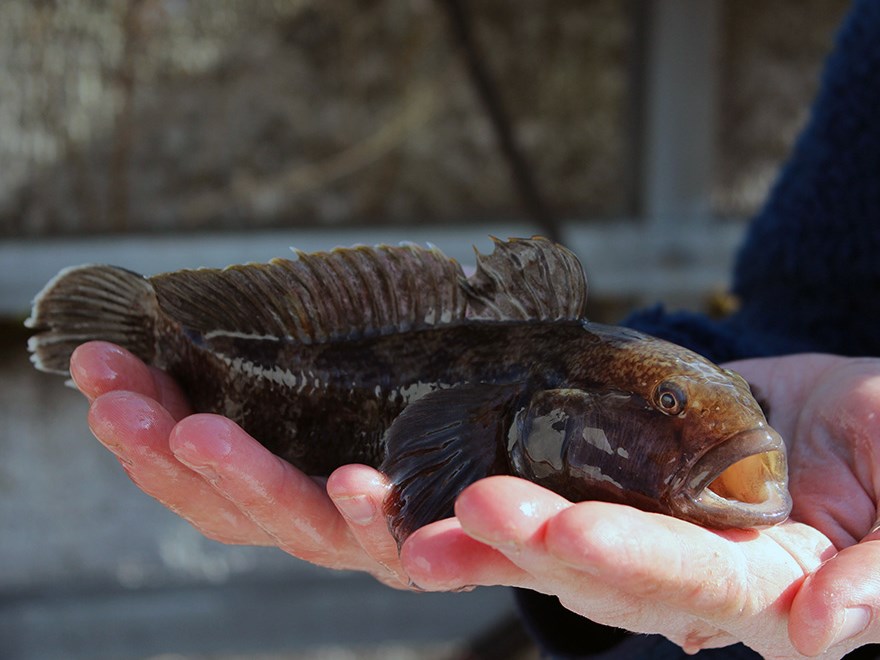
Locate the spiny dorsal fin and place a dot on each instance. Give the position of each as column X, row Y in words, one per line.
column 526, row 279
column 347, row 292
column 364, row 291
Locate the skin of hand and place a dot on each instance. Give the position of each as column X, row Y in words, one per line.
column 207, row 470
column 810, row 586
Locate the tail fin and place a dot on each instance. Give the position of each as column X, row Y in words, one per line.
column 85, row 303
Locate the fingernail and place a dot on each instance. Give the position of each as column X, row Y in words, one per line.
column 201, row 442
column 103, row 373
column 99, row 372
column 412, row 586
column 855, row 621
column 358, row 509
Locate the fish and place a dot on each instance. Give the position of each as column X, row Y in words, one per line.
column 391, row 356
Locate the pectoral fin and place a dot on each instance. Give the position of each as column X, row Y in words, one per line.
column 441, row 444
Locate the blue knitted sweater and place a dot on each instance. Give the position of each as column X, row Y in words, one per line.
column 807, row 275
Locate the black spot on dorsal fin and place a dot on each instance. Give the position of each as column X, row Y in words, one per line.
column 527, row 279
column 347, row 292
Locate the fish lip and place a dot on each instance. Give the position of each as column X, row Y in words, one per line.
column 704, row 506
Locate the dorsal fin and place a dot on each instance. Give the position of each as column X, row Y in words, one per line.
column 365, row 291
column 347, row 292
column 526, row 279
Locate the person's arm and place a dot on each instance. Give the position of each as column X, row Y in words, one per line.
column 806, row 272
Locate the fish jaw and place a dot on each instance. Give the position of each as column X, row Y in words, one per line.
column 742, row 483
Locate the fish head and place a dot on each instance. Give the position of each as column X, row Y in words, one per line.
column 668, row 432
column 734, row 470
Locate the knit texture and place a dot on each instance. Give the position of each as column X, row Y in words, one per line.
column 808, row 273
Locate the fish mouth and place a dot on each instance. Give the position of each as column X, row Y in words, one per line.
column 742, row 483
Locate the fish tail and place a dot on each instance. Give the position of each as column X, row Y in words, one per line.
column 86, row 303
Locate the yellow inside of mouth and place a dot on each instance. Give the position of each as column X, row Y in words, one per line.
column 749, row 479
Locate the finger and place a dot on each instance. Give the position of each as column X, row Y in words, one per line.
column 358, row 493
column 641, row 554
column 838, row 606
column 532, row 528
column 442, row 557
column 508, row 515
column 511, row 515
column 288, row 505
column 169, row 394
column 654, row 556
column 136, row 429
column 506, row 510
column 99, row 367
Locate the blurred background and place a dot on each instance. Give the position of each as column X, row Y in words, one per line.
column 160, row 134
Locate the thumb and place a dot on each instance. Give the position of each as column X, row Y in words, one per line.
column 838, row 605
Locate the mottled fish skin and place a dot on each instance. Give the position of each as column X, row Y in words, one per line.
column 319, row 415
column 389, row 356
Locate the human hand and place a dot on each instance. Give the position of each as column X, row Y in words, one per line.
column 209, row 471
column 614, row 564
column 809, row 586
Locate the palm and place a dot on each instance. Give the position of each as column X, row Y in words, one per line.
column 698, row 587
column 827, row 407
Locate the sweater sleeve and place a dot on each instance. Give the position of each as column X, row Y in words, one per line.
column 809, row 269
column 807, row 276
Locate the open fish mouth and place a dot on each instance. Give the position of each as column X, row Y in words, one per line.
column 741, row 483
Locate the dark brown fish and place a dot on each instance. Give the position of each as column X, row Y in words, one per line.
column 390, row 356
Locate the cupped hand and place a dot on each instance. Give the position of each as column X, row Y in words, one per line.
column 810, row 586
column 209, row 471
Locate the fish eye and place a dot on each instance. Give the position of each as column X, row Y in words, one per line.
column 670, row 398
